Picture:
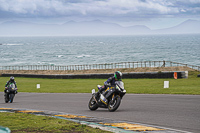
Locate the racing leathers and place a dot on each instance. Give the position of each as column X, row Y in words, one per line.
column 109, row 82
column 8, row 83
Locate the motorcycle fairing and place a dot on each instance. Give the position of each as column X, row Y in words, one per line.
column 108, row 92
column 103, row 99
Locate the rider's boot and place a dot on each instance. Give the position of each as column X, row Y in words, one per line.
column 97, row 94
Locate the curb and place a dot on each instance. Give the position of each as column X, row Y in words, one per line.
column 103, row 124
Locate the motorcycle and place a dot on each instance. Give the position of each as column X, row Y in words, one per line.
column 10, row 93
column 110, row 98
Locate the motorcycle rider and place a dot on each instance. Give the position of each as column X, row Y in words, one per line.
column 12, row 80
column 111, row 81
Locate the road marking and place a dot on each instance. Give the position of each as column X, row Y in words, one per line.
column 5, row 108
column 72, row 116
column 133, row 127
column 27, row 111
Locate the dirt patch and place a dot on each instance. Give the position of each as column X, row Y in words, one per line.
column 94, row 71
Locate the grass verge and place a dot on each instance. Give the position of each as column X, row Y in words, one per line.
column 21, row 123
column 138, row 86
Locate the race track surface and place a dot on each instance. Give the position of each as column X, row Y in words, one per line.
column 180, row 112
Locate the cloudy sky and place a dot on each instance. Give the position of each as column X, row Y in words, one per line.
column 153, row 13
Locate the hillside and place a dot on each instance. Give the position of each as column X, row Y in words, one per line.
column 95, row 27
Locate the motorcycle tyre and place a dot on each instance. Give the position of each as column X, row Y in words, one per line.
column 11, row 97
column 6, row 98
column 118, row 101
column 94, row 106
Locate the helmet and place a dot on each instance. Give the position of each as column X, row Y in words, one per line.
column 118, row 75
column 12, row 78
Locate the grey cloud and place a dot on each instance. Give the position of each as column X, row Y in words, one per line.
column 142, row 0
column 99, row 8
column 186, row 7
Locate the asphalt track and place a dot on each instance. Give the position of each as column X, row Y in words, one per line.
column 179, row 112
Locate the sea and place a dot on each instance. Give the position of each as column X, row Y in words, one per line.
column 81, row 50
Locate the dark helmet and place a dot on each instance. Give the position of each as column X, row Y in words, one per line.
column 12, row 78
column 118, row 75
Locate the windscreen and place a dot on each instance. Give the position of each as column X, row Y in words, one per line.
column 12, row 86
column 120, row 84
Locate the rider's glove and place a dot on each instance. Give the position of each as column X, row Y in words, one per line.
column 107, row 85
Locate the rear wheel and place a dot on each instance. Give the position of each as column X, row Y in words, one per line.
column 92, row 104
column 114, row 104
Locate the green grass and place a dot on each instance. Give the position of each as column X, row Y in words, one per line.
column 21, row 123
column 138, row 86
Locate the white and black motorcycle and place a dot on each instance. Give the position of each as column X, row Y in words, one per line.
column 110, row 98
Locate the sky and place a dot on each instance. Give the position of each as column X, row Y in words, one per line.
column 155, row 14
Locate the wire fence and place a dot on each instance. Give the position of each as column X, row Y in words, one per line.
column 100, row 66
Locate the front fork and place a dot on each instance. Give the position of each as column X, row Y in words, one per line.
column 94, row 97
column 113, row 97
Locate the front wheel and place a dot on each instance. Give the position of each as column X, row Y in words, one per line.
column 6, row 97
column 11, row 97
column 92, row 104
column 113, row 105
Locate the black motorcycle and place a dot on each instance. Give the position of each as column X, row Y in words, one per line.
column 110, row 98
column 10, row 93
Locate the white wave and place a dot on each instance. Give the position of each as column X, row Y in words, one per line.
column 39, row 63
column 12, row 44
column 83, row 55
column 59, row 56
column 45, row 63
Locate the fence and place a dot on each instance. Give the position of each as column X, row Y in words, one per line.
column 100, row 66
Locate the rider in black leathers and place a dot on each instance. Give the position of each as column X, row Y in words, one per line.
column 111, row 81
column 12, row 80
